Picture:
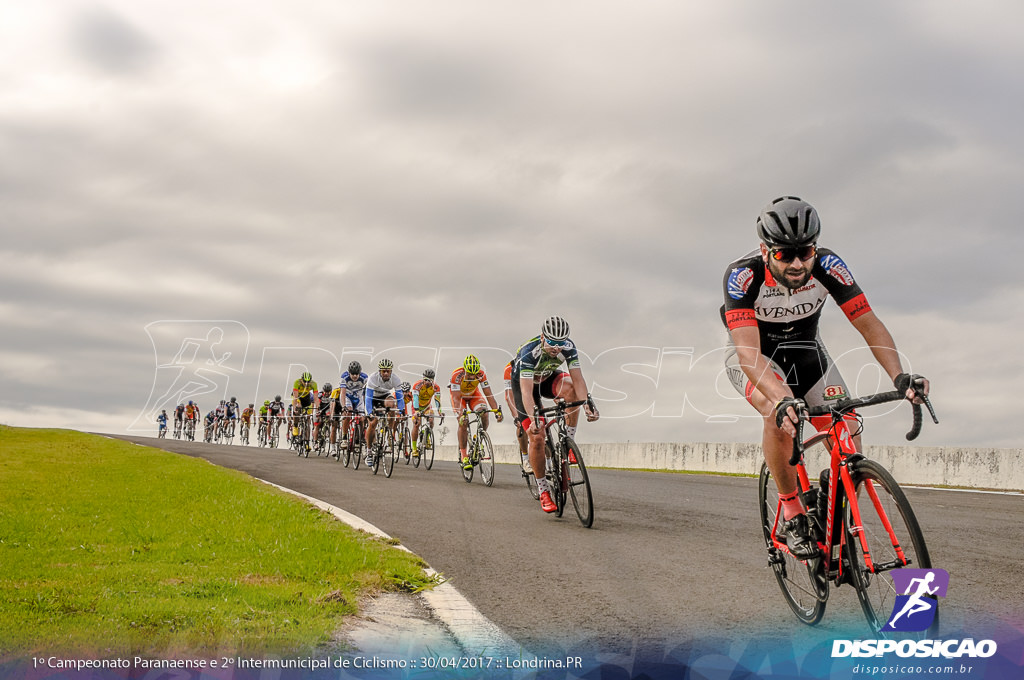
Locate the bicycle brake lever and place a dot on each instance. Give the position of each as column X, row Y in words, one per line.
column 931, row 411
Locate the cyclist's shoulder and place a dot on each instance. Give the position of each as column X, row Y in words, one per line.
column 529, row 349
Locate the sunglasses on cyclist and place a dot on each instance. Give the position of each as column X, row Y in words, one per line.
column 789, row 253
column 556, row 343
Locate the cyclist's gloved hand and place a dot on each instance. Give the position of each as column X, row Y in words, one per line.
column 499, row 416
column 590, row 409
column 787, row 413
column 913, row 386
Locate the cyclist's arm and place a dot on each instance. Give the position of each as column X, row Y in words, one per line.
column 368, row 401
column 579, row 384
column 882, row 345
column 529, row 405
column 491, row 401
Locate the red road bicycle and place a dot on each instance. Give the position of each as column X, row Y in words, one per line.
column 864, row 526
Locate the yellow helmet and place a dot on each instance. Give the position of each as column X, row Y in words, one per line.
column 471, row 364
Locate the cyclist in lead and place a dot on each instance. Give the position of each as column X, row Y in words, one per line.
column 469, row 389
column 535, row 375
column 776, row 359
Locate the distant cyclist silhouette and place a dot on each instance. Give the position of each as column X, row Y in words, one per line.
column 916, row 603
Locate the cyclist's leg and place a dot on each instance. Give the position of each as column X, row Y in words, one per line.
column 478, row 403
column 775, row 444
column 416, row 429
column 535, row 442
column 463, row 431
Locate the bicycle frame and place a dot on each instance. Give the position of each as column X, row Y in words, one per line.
column 843, row 456
column 842, row 452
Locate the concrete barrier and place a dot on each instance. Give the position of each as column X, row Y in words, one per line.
column 976, row 468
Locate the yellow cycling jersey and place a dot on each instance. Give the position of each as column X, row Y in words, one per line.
column 304, row 388
column 422, row 392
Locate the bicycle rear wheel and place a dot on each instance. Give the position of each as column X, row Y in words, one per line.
column 405, row 448
column 800, row 581
column 486, row 454
column 881, row 502
column 579, row 485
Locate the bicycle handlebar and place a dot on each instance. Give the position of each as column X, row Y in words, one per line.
column 559, row 406
column 844, row 406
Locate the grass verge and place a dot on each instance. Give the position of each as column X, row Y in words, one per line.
column 108, row 549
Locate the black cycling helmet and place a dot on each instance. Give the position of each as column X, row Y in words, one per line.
column 277, row 398
column 355, row 368
column 328, row 388
column 429, row 374
column 788, row 221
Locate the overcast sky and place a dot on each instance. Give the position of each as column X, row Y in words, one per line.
column 209, row 197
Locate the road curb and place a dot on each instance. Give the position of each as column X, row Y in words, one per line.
column 463, row 622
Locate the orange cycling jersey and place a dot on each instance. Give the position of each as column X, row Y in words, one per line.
column 191, row 412
column 467, row 386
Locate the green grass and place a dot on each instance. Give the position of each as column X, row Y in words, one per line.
column 107, row 548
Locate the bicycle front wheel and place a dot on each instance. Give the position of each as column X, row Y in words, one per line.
column 390, row 454
column 579, row 485
column 800, row 581
column 486, row 453
column 527, row 471
column 427, row 448
column 355, row 448
column 467, row 472
column 890, row 539
column 557, row 481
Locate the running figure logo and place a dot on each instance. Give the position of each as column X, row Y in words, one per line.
column 915, row 608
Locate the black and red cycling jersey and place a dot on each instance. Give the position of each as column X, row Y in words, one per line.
column 753, row 298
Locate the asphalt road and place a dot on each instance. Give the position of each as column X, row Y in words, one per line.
column 670, row 558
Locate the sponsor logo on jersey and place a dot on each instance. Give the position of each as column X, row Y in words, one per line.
column 837, row 269
column 739, row 282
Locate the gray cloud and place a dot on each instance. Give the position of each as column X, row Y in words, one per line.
column 331, row 179
column 110, row 43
